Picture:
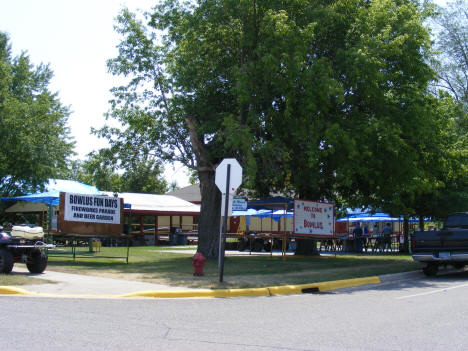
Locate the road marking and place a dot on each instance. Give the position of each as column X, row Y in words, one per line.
column 432, row 292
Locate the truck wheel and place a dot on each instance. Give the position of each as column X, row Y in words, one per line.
column 292, row 246
column 37, row 261
column 257, row 245
column 431, row 269
column 6, row 261
column 241, row 244
column 267, row 246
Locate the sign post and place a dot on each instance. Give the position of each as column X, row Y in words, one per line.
column 228, row 177
column 222, row 238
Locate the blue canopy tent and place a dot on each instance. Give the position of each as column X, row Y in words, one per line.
column 369, row 217
column 51, row 195
column 272, row 203
column 51, row 198
column 275, row 215
column 275, row 208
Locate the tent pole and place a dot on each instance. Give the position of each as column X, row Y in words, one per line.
column 284, row 243
column 49, row 217
column 128, row 246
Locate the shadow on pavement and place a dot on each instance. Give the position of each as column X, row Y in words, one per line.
column 412, row 280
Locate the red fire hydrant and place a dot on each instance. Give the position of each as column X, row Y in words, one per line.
column 198, row 263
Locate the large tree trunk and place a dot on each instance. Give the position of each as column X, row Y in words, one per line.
column 210, row 215
column 421, row 223
column 210, row 210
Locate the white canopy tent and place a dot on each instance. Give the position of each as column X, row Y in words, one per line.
column 160, row 204
column 150, row 215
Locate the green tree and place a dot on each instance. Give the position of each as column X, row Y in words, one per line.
column 355, row 116
column 452, row 44
column 445, row 163
column 348, row 118
column 103, row 170
column 319, row 98
column 450, row 186
column 35, row 139
column 441, row 184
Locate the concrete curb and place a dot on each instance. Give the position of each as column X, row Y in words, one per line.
column 211, row 293
column 267, row 291
column 8, row 290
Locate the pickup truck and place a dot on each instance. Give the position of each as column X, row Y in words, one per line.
column 448, row 246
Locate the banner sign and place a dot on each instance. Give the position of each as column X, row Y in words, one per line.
column 313, row 218
column 92, row 208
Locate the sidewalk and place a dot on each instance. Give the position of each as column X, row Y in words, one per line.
column 82, row 286
column 78, row 284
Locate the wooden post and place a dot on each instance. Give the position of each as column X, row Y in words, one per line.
column 406, row 233
column 156, row 230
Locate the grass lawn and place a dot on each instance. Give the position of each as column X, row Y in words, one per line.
column 155, row 264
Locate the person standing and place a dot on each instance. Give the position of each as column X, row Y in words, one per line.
column 387, row 232
column 376, row 229
column 377, row 238
column 365, row 237
column 357, row 233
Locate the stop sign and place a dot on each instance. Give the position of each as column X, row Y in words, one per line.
column 235, row 178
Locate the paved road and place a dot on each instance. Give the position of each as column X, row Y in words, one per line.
column 413, row 314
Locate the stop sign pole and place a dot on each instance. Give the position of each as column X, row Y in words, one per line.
column 222, row 238
column 227, row 178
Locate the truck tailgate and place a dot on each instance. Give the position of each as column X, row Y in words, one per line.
column 440, row 240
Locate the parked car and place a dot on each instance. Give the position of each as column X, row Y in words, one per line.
column 448, row 246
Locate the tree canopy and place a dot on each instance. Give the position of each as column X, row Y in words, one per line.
column 35, row 139
column 444, row 188
column 452, row 46
column 326, row 100
column 103, row 170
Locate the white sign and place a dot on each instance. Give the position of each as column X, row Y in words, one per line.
column 92, row 208
column 239, row 204
column 234, row 204
column 313, row 218
column 235, row 178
